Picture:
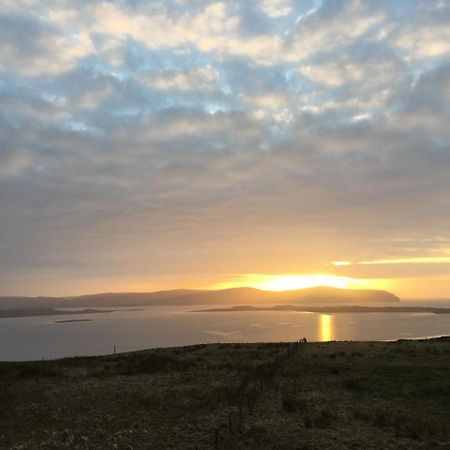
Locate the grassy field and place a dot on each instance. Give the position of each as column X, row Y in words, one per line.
column 337, row 395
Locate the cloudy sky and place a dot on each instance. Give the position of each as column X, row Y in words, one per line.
column 190, row 143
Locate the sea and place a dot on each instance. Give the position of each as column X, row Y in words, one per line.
column 125, row 330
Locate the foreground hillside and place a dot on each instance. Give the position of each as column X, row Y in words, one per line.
column 245, row 396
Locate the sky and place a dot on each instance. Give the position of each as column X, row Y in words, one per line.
column 148, row 145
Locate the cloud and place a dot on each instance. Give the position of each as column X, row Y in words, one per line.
column 277, row 8
column 200, row 79
column 426, row 35
column 328, row 27
column 215, row 137
column 14, row 163
column 43, row 50
column 413, row 260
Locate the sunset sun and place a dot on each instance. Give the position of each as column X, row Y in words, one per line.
column 292, row 282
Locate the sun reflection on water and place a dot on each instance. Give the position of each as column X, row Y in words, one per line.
column 326, row 327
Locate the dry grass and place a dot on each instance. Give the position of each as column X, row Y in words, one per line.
column 339, row 395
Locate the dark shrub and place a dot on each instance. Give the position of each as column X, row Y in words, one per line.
column 289, row 403
column 256, row 432
column 38, row 370
column 326, row 418
column 292, row 403
column 308, row 422
column 150, row 363
column 353, row 383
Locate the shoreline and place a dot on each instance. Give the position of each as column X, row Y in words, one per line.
column 331, row 309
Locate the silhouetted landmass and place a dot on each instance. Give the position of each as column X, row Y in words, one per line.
column 73, row 320
column 9, row 313
column 235, row 296
column 338, row 395
column 333, row 309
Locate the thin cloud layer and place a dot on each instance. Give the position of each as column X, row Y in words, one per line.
column 145, row 141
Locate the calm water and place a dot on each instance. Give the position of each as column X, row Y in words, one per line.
column 40, row 337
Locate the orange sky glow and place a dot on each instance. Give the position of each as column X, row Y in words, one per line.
column 405, row 288
column 160, row 145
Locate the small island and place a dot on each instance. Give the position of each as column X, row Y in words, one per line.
column 73, row 320
column 36, row 312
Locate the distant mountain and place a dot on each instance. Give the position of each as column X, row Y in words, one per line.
column 235, row 296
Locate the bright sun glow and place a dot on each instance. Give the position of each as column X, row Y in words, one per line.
column 292, row 282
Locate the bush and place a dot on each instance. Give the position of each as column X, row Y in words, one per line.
column 308, row 422
column 326, row 418
column 292, row 403
column 288, row 402
column 150, row 363
column 38, row 370
column 256, row 432
column 353, row 383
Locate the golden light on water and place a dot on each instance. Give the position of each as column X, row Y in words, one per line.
column 326, row 327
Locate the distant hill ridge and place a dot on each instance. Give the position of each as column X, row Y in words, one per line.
column 321, row 295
